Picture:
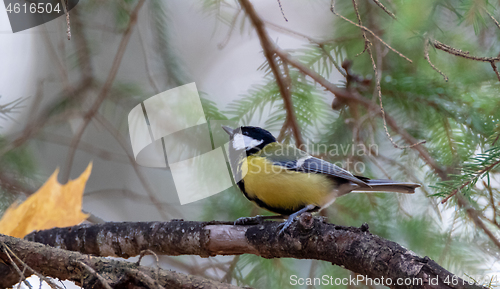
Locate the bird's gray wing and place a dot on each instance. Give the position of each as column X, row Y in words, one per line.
column 292, row 158
column 310, row 164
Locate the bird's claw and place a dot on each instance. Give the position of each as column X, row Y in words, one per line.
column 285, row 225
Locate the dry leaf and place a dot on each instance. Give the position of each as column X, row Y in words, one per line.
column 53, row 205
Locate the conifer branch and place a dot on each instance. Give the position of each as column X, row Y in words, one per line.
column 96, row 272
column 332, row 8
column 355, row 249
column 353, row 96
column 472, row 172
column 377, row 84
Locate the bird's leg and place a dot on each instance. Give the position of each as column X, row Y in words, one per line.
column 256, row 220
column 290, row 219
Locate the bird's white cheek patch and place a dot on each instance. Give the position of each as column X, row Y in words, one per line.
column 244, row 142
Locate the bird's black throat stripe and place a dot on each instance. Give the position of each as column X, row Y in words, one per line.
column 260, row 203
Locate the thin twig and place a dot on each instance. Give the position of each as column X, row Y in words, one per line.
column 320, row 44
column 369, row 31
column 475, row 216
column 224, row 42
column 66, row 11
column 47, row 280
column 495, row 140
column 93, row 272
column 269, row 51
column 330, row 57
column 55, row 59
column 351, row 96
column 460, row 53
column 143, row 253
column 22, row 277
column 426, row 56
column 377, row 85
column 492, row 201
column 104, row 91
column 382, row 110
column 385, row 9
column 150, row 283
column 312, row 273
column 495, row 69
column 286, row 123
column 367, row 42
column 84, row 146
column 229, row 274
column 146, row 62
column 282, row 12
column 493, row 18
column 123, row 144
column 19, row 272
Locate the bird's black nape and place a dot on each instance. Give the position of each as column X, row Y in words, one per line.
column 256, row 133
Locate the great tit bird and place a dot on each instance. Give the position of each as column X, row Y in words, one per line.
column 288, row 181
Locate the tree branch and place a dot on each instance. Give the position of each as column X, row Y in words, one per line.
column 104, row 91
column 308, row 238
column 63, row 264
column 332, row 8
column 269, row 52
column 352, row 96
column 460, row 53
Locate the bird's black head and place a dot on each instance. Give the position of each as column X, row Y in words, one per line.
column 249, row 138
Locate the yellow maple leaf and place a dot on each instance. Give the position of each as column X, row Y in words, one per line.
column 53, row 205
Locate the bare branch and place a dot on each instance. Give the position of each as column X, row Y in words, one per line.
column 66, row 11
column 269, row 51
column 230, row 32
column 367, row 42
column 8, row 251
column 282, row 12
column 377, row 83
column 355, row 249
column 495, row 69
column 493, row 18
column 104, row 282
column 104, row 91
column 426, row 56
column 475, row 216
column 382, row 110
column 123, row 144
column 385, row 9
column 61, row 264
column 352, row 96
column 460, row 53
column 369, row 31
column 492, row 202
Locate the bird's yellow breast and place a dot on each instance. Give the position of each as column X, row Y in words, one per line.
column 281, row 188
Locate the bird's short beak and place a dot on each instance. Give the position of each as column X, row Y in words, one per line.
column 230, row 131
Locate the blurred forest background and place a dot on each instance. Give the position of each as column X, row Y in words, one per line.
column 123, row 52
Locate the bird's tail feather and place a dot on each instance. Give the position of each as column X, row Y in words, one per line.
column 388, row 186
